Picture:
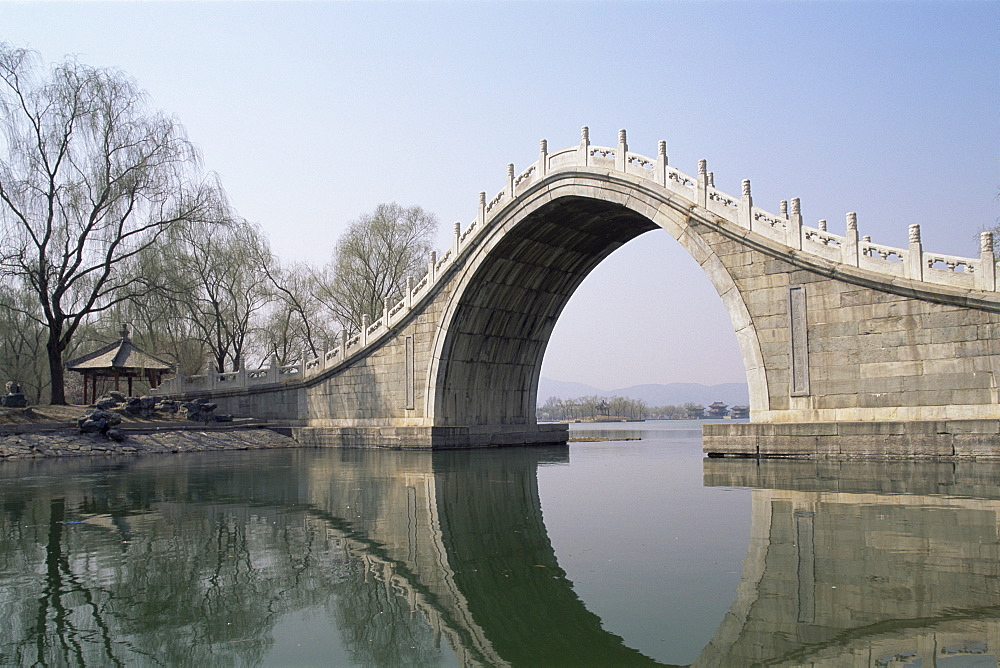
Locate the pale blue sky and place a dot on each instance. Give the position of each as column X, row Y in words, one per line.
column 315, row 112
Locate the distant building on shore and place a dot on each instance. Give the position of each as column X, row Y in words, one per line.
column 739, row 412
column 694, row 411
column 717, row 410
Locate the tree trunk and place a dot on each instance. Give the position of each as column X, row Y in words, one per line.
column 56, row 372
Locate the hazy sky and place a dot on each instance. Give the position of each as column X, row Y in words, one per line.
column 313, row 113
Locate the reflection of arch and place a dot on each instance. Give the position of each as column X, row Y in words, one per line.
column 457, row 537
column 504, row 565
column 472, row 556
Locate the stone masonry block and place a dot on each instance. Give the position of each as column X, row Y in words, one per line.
column 952, row 334
column 888, row 324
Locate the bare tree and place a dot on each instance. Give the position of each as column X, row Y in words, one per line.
column 373, row 259
column 295, row 323
column 219, row 278
column 89, row 178
column 22, row 340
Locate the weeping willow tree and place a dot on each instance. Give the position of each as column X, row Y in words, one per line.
column 372, row 260
column 22, row 341
column 90, row 177
column 220, row 285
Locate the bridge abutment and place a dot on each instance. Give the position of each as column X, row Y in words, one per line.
column 923, row 439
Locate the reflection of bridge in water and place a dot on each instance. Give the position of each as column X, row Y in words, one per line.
column 470, row 552
column 190, row 559
column 393, row 536
column 864, row 563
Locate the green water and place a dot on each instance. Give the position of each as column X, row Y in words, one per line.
column 609, row 553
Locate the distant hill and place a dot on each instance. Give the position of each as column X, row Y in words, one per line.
column 558, row 388
column 674, row 394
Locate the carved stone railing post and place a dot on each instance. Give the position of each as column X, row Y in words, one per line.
column 987, row 277
column 456, row 240
column 385, row 313
column 711, row 179
column 343, row 344
column 783, row 208
column 432, row 262
column 482, row 209
column 273, row 373
column 745, row 212
column 543, row 157
column 849, row 250
column 211, row 373
column 661, row 163
column 702, row 184
column 795, row 225
column 408, row 297
column 241, row 376
column 621, row 161
column 584, row 151
column 510, row 181
column 324, row 358
column 915, row 256
column 821, row 225
column 366, row 322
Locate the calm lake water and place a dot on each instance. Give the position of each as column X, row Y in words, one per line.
column 608, row 553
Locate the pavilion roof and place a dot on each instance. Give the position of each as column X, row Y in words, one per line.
column 121, row 355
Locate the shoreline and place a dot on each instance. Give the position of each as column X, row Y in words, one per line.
column 67, row 442
column 54, row 441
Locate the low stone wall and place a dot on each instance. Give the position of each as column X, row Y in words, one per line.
column 974, row 439
column 70, row 443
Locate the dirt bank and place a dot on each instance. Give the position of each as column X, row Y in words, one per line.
column 70, row 443
column 49, row 431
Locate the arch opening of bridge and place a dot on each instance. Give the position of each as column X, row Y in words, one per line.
column 503, row 321
column 850, row 347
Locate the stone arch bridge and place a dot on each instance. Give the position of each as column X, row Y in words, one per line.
column 850, row 346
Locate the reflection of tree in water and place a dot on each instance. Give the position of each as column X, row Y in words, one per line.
column 126, row 573
column 376, row 623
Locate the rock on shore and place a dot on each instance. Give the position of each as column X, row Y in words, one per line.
column 72, row 444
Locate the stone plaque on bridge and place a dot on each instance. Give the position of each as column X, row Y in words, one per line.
column 410, row 380
column 799, row 341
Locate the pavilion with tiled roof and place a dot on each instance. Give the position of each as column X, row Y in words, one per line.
column 118, row 360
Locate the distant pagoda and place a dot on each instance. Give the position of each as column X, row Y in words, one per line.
column 717, row 410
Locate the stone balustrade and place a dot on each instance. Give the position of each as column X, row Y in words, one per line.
column 785, row 228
